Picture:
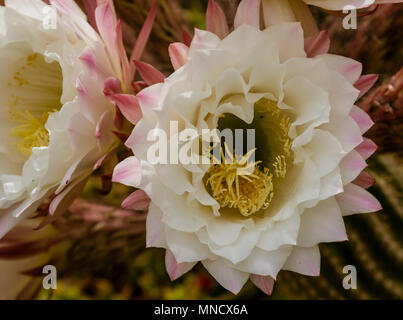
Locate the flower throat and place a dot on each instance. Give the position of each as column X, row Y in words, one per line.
column 244, row 184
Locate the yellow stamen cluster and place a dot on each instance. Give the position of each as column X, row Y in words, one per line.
column 35, row 90
column 246, row 185
column 31, row 131
column 239, row 183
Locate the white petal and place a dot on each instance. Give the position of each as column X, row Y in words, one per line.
column 355, row 199
column 323, row 223
column 304, row 260
column 231, row 279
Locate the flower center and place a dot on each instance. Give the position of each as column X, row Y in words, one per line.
column 245, row 185
column 35, row 91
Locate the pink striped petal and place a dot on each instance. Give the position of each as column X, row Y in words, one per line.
column 248, row 12
column 351, row 166
column 366, row 148
column 176, row 270
column 362, row 118
column 355, row 199
column 106, row 23
column 364, row 180
column 128, row 106
column 216, row 21
column 138, row 200
column 364, row 83
column 143, row 37
column 318, row 44
column 304, row 260
column 128, row 172
column 178, row 52
column 264, row 283
column 149, row 74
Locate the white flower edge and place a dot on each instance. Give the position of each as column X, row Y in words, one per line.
column 80, row 133
column 327, row 142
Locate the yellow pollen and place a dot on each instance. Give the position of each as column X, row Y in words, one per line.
column 34, row 92
column 30, row 131
column 250, row 186
column 239, row 183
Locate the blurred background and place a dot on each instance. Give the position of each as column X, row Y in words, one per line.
column 105, row 258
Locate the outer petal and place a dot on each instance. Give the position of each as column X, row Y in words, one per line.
column 128, row 172
column 362, row 118
column 364, row 180
column 318, row 44
column 231, row 279
column 248, row 13
column 323, row 223
column 215, row 20
column 364, row 83
column 263, row 283
column 176, row 270
column 366, row 148
column 178, row 52
column 304, row 260
column 138, row 200
column 355, row 199
column 149, row 74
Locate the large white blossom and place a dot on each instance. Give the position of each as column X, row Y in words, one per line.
column 309, row 139
column 55, row 121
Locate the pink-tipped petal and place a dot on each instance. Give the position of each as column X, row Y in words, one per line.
column 264, row 283
column 176, row 270
column 364, row 83
column 143, row 36
column 364, row 180
column 304, row 260
column 128, row 106
column 149, row 74
column 355, row 199
column 366, row 148
column 362, row 118
column 178, row 52
column 138, row 200
column 318, row 44
column 248, row 12
column 351, row 166
column 216, row 21
column 128, row 172
column 106, row 23
column 231, row 279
